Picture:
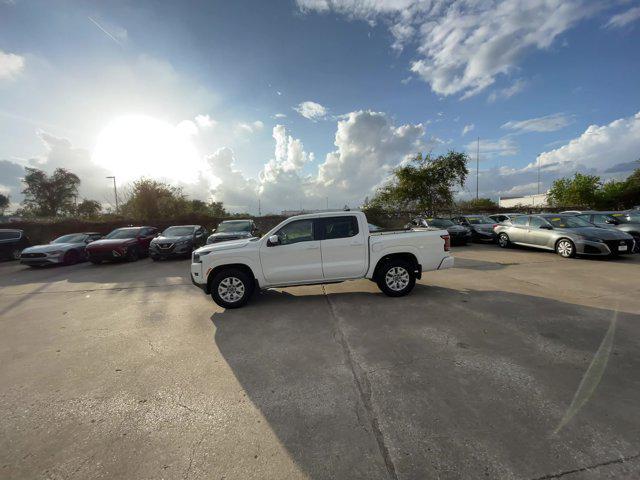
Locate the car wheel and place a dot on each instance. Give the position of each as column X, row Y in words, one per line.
column 133, row 255
column 231, row 288
column 15, row 253
column 95, row 261
column 155, row 258
column 396, row 278
column 503, row 240
column 565, row 248
column 70, row 257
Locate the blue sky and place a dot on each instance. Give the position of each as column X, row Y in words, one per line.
column 556, row 84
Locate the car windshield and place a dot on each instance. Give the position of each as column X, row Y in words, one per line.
column 440, row 222
column 479, row 220
column 71, row 238
column 234, row 227
column 178, row 231
column 123, row 233
column 567, row 222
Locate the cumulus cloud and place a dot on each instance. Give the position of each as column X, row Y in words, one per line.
column 311, row 110
column 623, row 19
column 548, row 123
column 468, row 128
column 11, row 65
column 464, row 45
column 249, row 128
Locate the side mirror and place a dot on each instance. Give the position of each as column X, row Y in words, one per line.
column 273, row 240
column 546, row 227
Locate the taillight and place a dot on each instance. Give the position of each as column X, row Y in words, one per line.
column 494, row 226
column 447, row 242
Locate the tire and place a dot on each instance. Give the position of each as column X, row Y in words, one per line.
column 396, row 278
column 565, row 248
column 15, row 254
column 70, row 258
column 95, row 261
column 155, row 258
column 133, row 255
column 231, row 288
column 503, row 240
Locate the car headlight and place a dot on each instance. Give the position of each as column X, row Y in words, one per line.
column 593, row 239
column 197, row 255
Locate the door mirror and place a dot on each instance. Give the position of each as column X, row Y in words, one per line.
column 546, row 227
column 273, row 240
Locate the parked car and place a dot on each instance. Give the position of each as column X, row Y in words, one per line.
column 129, row 243
column 319, row 248
column 67, row 249
column 624, row 221
column 501, row 217
column 233, row 230
column 481, row 226
column 459, row 234
column 12, row 242
column 177, row 241
column 565, row 234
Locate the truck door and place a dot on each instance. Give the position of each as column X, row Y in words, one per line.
column 344, row 247
column 296, row 257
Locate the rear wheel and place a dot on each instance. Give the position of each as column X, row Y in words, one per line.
column 15, row 253
column 231, row 288
column 396, row 278
column 565, row 248
column 503, row 240
column 70, row 257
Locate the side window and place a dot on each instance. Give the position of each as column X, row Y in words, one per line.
column 596, row 218
column 521, row 221
column 537, row 222
column 339, row 227
column 295, row 232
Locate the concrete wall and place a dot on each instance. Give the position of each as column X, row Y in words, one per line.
column 538, row 200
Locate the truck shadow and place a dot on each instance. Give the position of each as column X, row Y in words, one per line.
column 442, row 383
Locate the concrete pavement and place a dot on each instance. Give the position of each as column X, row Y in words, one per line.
column 128, row 371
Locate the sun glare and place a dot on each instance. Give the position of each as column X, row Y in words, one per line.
column 135, row 146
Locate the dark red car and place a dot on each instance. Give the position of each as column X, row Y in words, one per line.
column 128, row 244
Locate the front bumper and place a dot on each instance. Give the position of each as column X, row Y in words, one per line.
column 606, row 248
column 198, row 278
column 107, row 255
column 172, row 250
column 484, row 235
column 460, row 237
column 41, row 261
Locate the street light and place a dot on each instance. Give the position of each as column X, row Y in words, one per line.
column 115, row 191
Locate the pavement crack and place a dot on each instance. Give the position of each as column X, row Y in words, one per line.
column 192, row 454
column 363, row 386
column 589, row 467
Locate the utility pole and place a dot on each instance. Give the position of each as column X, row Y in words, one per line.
column 327, row 203
column 115, row 191
column 259, row 209
column 538, row 174
column 477, row 168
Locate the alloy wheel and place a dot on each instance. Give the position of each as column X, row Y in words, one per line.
column 397, row 278
column 503, row 240
column 565, row 249
column 231, row 289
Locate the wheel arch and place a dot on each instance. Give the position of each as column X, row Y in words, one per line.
column 240, row 266
column 406, row 256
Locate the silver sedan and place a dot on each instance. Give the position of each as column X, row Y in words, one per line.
column 567, row 235
column 67, row 250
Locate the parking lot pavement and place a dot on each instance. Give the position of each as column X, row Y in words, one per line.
column 516, row 364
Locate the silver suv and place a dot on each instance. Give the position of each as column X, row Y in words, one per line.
column 567, row 235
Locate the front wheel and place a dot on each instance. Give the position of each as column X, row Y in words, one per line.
column 231, row 288
column 565, row 248
column 396, row 278
column 503, row 240
column 70, row 258
column 133, row 255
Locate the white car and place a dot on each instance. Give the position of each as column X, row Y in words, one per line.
column 315, row 249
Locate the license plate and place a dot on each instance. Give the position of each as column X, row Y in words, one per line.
column 622, row 248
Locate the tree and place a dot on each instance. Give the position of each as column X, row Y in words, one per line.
column 425, row 184
column 151, row 199
column 5, row 201
column 49, row 195
column 580, row 191
column 630, row 197
column 477, row 205
column 88, row 208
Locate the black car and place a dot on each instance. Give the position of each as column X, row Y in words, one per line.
column 233, row 230
column 12, row 242
column 459, row 234
column 177, row 241
column 481, row 226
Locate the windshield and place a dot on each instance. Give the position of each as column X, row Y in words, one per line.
column 568, row 222
column 71, row 238
column 178, row 232
column 440, row 222
column 123, row 233
column 479, row 220
column 9, row 235
column 234, row 227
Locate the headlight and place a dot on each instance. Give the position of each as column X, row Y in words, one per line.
column 197, row 255
column 593, row 239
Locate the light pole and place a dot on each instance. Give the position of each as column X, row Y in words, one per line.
column 538, row 174
column 115, row 191
column 477, row 167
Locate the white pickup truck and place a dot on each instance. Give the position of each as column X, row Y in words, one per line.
column 319, row 248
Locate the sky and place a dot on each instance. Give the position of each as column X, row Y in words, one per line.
column 311, row 103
